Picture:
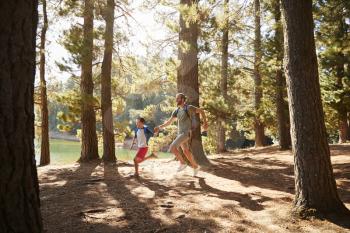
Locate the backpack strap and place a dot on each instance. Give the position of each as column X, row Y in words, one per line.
column 176, row 112
column 187, row 113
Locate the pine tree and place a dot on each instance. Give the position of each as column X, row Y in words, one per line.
column 258, row 124
column 333, row 38
column 315, row 184
column 282, row 111
column 19, row 195
column 89, row 150
column 45, row 143
column 187, row 73
column 106, row 101
column 224, row 74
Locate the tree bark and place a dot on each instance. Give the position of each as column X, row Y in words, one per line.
column 282, row 112
column 89, row 149
column 45, row 143
column 343, row 127
column 224, row 73
column 187, row 75
column 19, row 190
column 348, row 126
column 106, row 93
column 342, row 111
column 259, row 127
column 314, row 180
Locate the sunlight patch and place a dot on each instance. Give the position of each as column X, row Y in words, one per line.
column 143, row 192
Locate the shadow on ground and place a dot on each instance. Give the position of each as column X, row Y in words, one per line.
column 94, row 197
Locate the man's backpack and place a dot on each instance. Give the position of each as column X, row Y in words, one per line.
column 194, row 122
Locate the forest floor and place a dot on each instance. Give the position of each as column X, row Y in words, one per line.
column 245, row 191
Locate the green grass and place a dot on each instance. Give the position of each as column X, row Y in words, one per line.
column 67, row 152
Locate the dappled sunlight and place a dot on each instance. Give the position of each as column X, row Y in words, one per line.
column 165, row 116
column 143, row 192
column 239, row 192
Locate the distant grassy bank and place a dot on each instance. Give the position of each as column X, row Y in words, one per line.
column 67, row 152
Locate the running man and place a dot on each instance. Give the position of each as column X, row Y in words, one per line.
column 184, row 115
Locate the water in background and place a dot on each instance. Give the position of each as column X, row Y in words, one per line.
column 67, row 152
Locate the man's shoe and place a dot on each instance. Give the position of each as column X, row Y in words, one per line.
column 181, row 167
column 195, row 171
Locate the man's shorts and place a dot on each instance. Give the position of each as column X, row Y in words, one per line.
column 181, row 140
column 141, row 153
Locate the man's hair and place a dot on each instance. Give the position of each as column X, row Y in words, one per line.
column 141, row 119
column 182, row 95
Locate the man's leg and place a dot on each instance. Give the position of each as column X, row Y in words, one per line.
column 186, row 149
column 176, row 144
column 177, row 154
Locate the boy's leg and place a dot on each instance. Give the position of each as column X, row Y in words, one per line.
column 151, row 156
column 136, row 165
column 139, row 158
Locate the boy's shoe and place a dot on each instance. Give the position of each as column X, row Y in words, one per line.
column 195, row 171
column 181, row 167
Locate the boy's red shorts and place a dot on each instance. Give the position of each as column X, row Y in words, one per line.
column 141, row 153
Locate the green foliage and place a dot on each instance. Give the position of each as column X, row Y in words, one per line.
column 332, row 32
column 146, row 85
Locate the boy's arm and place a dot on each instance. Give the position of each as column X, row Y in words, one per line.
column 133, row 141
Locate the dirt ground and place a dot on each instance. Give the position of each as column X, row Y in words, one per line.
column 245, row 191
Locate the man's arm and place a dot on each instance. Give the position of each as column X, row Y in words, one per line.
column 165, row 124
column 203, row 116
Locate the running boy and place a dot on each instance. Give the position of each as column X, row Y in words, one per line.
column 142, row 135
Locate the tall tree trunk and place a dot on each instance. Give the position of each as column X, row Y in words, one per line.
column 348, row 126
column 106, row 99
column 89, row 149
column 343, row 127
column 314, row 179
column 282, row 113
column 187, row 75
column 281, row 105
column 45, row 144
column 258, row 124
column 19, row 190
column 342, row 112
column 224, row 73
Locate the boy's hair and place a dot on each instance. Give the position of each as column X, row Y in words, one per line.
column 141, row 119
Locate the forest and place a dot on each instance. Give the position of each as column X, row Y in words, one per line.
column 175, row 116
